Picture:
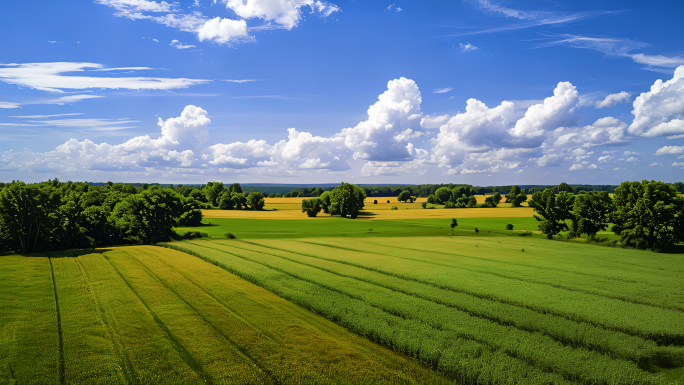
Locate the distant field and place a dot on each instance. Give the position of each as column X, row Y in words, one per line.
column 484, row 309
column 150, row 315
column 290, row 208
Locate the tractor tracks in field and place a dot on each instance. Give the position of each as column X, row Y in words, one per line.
column 237, row 347
column 62, row 377
column 175, row 342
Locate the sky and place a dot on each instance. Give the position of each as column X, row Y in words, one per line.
column 486, row 92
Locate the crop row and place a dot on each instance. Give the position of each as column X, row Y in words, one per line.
column 535, row 349
column 463, row 360
column 575, row 334
column 657, row 324
column 612, row 282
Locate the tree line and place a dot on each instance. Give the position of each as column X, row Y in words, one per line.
column 646, row 214
column 54, row 215
column 346, row 200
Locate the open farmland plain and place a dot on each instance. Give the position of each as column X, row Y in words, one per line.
column 143, row 315
column 272, row 306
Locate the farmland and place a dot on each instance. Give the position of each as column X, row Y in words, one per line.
column 138, row 315
column 391, row 297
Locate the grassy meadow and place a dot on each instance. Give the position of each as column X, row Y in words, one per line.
column 391, row 297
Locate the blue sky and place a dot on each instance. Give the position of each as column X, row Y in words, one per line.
column 487, row 92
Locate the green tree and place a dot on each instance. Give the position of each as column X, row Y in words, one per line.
column 213, row 192
column 648, row 215
column 404, row 196
column 346, row 200
column 493, row 200
column 148, row 217
column 325, row 201
column 311, row 207
column 454, row 223
column 191, row 214
column 565, row 187
column 226, row 201
column 235, row 188
column 28, row 215
column 552, row 210
column 679, row 186
column 516, row 196
column 256, row 201
column 239, row 200
column 592, row 211
column 443, row 195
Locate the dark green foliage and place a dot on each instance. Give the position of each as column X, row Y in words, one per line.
column 148, row 217
column 230, row 236
column 493, row 200
column 311, row 206
column 679, row 186
column 193, row 235
column 431, row 199
column 454, row 223
column 565, row 187
column 476, row 230
column 197, row 195
column 509, row 227
column 213, row 191
column 394, row 208
column 226, row 201
column 28, row 214
column 235, row 188
column 375, row 201
column 345, row 200
column 516, row 196
column 239, row 201
column 404, row 196
column 648, row 215
column 442, row 195
column 552, row 210
column 592, row 211
column 255, row 200
column 424, row 205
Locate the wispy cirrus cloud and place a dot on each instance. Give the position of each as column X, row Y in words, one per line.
column 56, row 77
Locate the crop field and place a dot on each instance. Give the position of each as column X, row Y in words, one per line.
column 484, row 309
column 145, row 314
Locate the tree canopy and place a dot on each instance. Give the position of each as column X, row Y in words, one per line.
column 345, row 200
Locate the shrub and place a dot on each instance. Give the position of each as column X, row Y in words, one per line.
column 476, row 230
column 424, row 204
column 449, row 205
column 388, row 201
column 509, row 227
column 375, row 202
column 394, row 208
column 194, row 234
column 230, row 236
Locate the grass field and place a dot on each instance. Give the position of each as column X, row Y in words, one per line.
column 479, row 309
column 142, row 315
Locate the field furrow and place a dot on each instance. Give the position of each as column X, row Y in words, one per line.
column 536, row 349
column 646, row 290
column 661, row 325
column 575, row 334
column 458, row 357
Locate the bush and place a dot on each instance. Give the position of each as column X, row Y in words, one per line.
column 424, row 204
column 525, row 233
column 394, row 208
column 388, row 201
column 476, row 230
column 509, row 227
column 230, row 236
column 194, row 234
column 375, row 202
column 450, row 205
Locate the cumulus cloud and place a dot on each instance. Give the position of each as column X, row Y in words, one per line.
column 223, row 31
column 555, row 111
column 660, row 111
column 133, row 6
column 51, row 77
column 613, row 99
column 584, row 166
column 392, row 122
column 179, row 45
column 605, row 158
column 287, row 13
column 670, row 150
column 605, row 131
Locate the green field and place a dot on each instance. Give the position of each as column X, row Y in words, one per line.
column 143, row 315
column 277, row 305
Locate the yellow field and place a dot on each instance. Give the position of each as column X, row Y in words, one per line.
column 290, row 208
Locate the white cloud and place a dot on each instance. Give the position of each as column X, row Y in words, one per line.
column 392, row 122
column 605, row 131
column 660, row 111
column 605, row 158
column 179, row 45
column 584, row 166
column 655, row 164
column 306, row 151
column 670, row 150
column 657, row 60
column 287, row 13
column 554, row 112
column 434, row 121
column 468, row 47
column 393, row 6
column 678, row 164
column 50, row 77
column 632, row 159
column 442, row 90
column 132, row 6
column 613, row 99
column 223, row 31
column 550, row 160
column 9, row 105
